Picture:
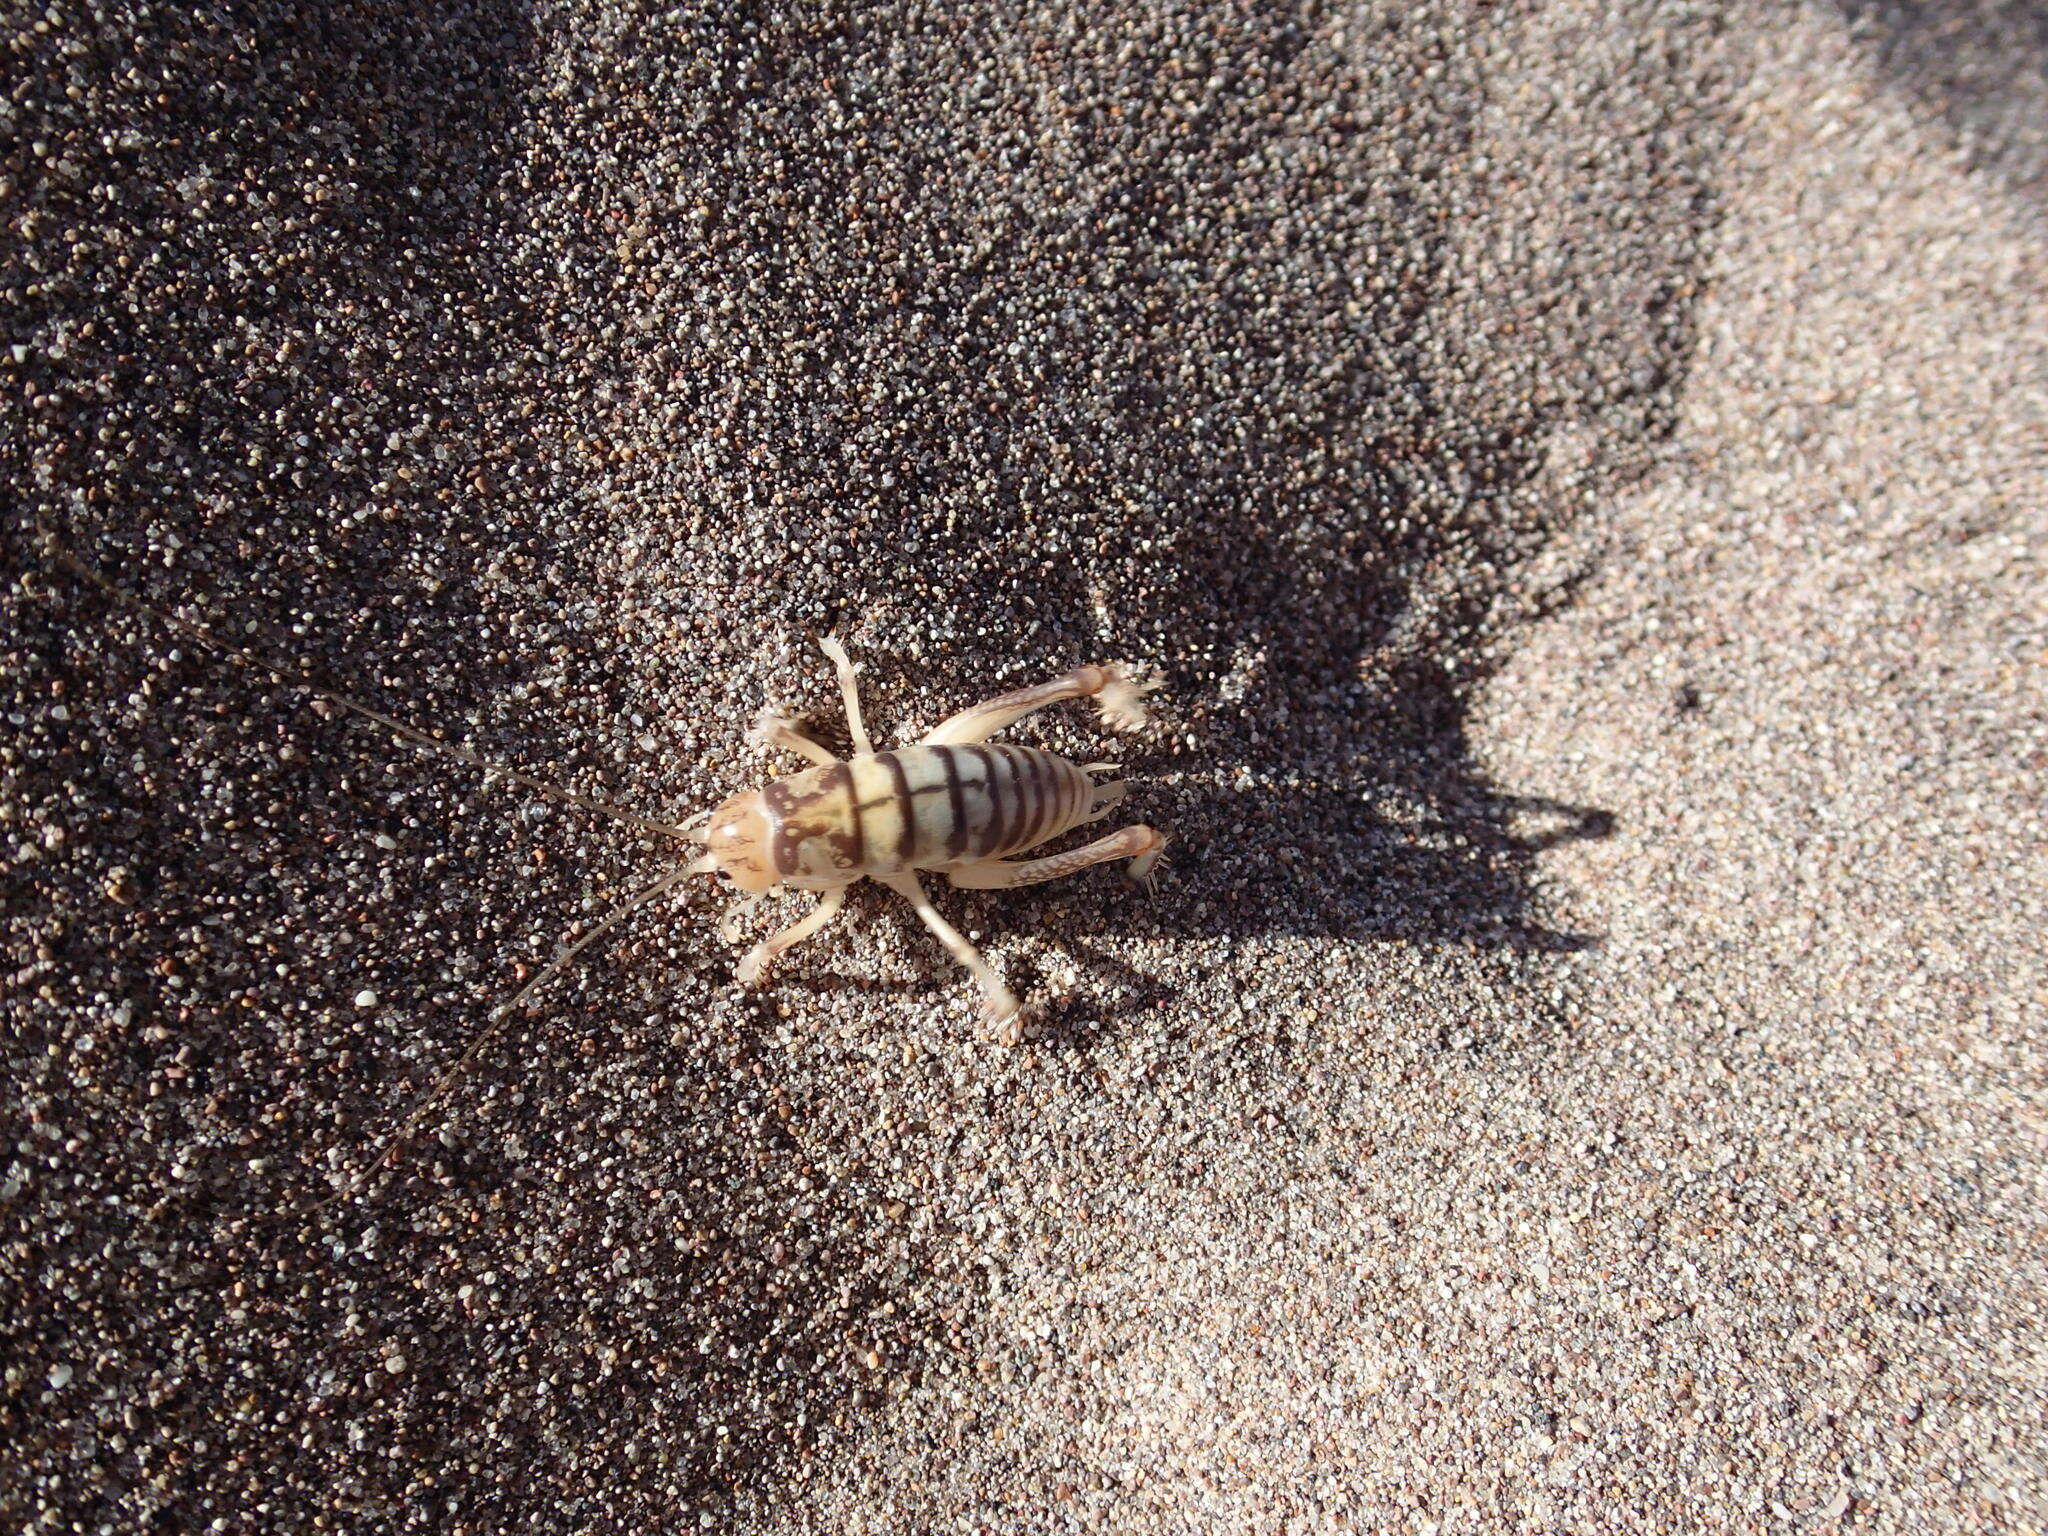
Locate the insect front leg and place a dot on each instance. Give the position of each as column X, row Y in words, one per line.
column 753, row 965
column 735, row 918
column 1118, row 693
column 772, row 728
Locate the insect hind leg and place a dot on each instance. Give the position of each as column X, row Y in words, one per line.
column 1140, row 844
column 1118, row 692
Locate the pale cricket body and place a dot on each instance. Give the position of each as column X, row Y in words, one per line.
column 949, row 803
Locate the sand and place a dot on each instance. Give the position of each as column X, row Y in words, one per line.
column 1579, row 472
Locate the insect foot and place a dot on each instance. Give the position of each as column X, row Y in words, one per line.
column 771, row 723
column 1008, row 1025
column 734, row 922
column 1143, row 871
column 1122, row 700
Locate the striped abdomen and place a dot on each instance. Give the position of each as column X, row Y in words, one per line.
column 920, row 808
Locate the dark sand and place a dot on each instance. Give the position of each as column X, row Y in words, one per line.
column 1580, row 470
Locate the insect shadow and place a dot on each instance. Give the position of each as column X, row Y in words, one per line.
column 1342, row 869
column 1368, row 861
column 1318, row 806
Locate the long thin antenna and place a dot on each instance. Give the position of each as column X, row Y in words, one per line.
column 297, row 678
column 496, row 1022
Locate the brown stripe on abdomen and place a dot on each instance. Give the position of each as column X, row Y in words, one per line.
column 984, row 840
column 1029, row 803
column 1022, row 810
column 960, row 804
column 1012, row 798
column 838, row 780
column 907, row 806
column 1049, row 799
column 1017, row 824
column 1044, row 796
column 1062, row 797
column 956, row 831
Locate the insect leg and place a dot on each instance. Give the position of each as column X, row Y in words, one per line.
column 998, row 1001
column 753, row 965
column 1140, row 844
column 1118, row 693
column 850, row 691
column 735, row 919
column 772, row 728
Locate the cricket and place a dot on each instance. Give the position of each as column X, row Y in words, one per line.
column 947, row 803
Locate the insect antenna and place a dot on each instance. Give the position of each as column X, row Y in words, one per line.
column 496, row 1022
column 298, row 677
